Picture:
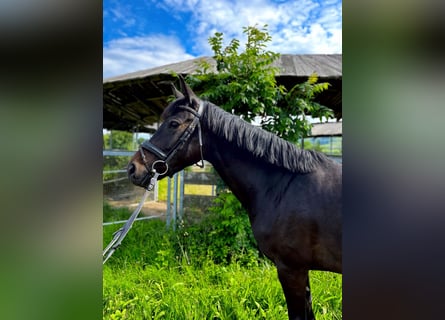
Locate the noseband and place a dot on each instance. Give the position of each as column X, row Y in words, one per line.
column 165, row 158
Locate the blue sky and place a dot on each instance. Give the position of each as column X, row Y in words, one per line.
column 142, row 34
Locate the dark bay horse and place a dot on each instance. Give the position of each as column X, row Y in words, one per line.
column 293, row 196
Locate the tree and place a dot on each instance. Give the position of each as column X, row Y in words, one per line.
column 119, row 140
column 290, row 118
column 245, row 84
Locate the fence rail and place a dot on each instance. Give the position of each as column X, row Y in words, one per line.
column 124, row 221
column 118, row 153
column 115, row 171
column 200, row 178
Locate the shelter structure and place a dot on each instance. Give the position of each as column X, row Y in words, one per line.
column 134, row 102
column 328, row 129
column 330, row 135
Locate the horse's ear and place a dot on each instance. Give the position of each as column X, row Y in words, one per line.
column 178, row 94
column 186, row 90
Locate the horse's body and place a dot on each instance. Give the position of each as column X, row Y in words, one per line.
column 293, row 196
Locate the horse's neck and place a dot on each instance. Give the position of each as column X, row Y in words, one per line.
column 244, row 176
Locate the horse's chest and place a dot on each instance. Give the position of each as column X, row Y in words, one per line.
column 282, row 233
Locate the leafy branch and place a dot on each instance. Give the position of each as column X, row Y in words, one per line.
column 245, row 84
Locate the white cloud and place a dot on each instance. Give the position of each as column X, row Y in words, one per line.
column 122, row 14
column 301, row 26
column 314, row 39
column 126, row 55
column 296, row 26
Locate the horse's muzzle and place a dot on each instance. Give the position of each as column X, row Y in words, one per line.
column 142, row 179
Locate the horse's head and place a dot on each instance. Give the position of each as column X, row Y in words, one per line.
column 175, row 145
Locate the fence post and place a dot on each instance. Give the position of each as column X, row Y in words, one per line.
column 175, row 199
column 330, row 144
column 181, row 196
column 168, row 218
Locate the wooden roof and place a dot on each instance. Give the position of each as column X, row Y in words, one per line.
column 135, row 101
column 327, row 129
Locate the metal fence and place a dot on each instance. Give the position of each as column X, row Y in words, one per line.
column 118, row 191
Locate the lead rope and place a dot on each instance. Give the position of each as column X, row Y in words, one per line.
column 120, row 234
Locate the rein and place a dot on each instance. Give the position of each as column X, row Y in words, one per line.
column 120, row 234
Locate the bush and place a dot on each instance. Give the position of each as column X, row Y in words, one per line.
column 224, row 235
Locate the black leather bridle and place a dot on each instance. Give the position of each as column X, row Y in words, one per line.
column 164, row 158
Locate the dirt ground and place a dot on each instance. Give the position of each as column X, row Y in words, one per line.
column 150, row 208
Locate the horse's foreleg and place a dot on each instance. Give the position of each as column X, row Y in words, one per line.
column 308, row 300
column 295, row 284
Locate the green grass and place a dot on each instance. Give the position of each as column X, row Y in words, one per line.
column 185, row 292
column 148, row 279
column 133, row 291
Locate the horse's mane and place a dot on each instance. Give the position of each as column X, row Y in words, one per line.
column 259, row 142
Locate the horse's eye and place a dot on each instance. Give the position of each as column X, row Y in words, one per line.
column 174, row 124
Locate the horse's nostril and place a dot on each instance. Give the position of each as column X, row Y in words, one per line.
column 131, row 169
